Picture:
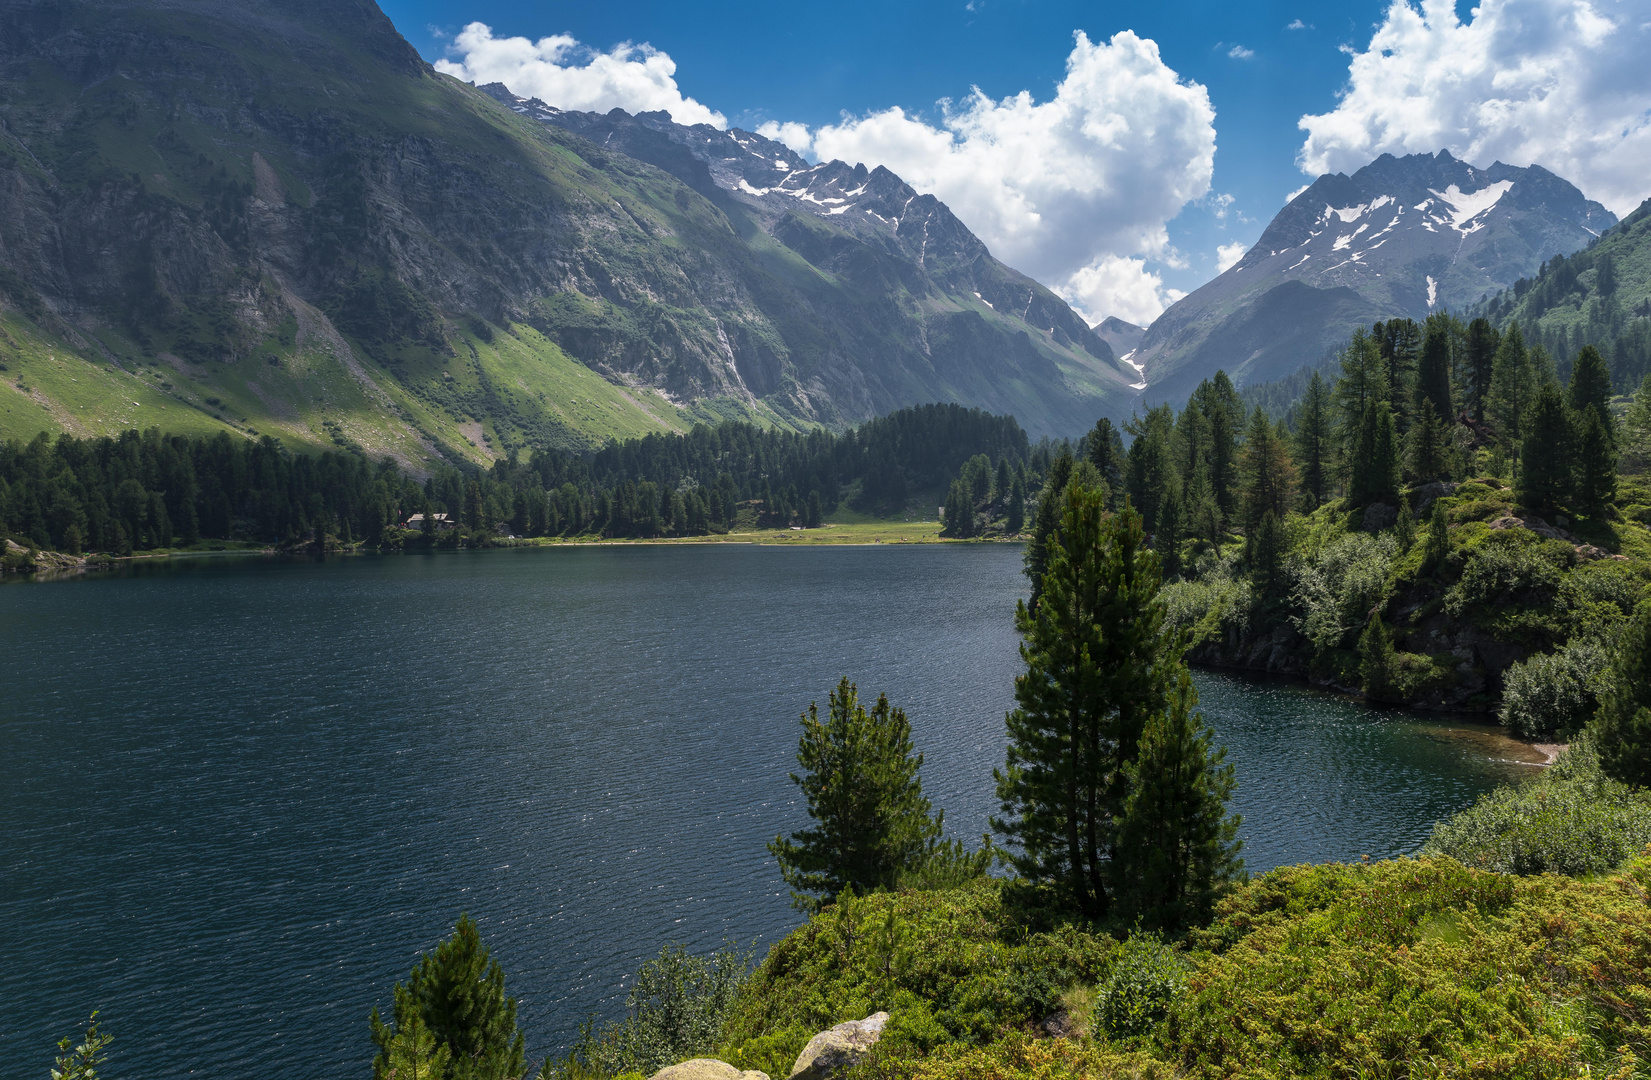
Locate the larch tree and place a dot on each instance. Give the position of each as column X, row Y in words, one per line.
column 871, row 821
column 1266, row 472
column 1512, row 389
column 1433, row 373
column 1482, row 344
column 1428, row 449
column 1098, row 665
column 1373, row 473
column 1596, row 463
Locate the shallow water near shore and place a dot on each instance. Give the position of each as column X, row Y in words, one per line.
column 242, row 794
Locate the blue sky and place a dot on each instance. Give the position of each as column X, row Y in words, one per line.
column 1264, row 66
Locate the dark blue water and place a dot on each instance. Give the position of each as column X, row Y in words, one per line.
column 240, row 796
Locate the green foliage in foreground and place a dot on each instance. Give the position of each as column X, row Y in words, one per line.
column 1411, row 968
column 81, row 1062
column 1573, row 819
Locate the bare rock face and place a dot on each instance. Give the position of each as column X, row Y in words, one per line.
column 1379, row 516
column 706, row 1069
column 1422, row 497
column 830, row 1053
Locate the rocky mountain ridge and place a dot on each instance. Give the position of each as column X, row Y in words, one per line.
column 1400, row 238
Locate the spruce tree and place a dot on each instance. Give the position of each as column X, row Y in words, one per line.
column 1313, row 446
column 1266, row 471
column 1596, row 463
column 1374, row 465
column 1482, row 344
column 1433, row 373
column 1151, row 464
column 1545, row 481
column 1172, row 527
column 864, row 794
column 1177, row 845
column 1438, row 539
column 1264, row 550
column 456, row 995
column 1017, row 505
column 1106, row 453
column 1098, row 664
column 1622, row 726
column 1427, row 456
column 1513, row 386
column 1376, row 659
column 1225, row 413
column 1590, row 387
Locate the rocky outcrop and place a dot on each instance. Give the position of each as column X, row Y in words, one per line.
column 833, row 1052
column 706, row 1069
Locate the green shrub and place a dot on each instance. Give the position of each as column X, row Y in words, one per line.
column 1570, row 820
column 1145, row 979
column 1554, row 694
column 1509, row 566
column 1334, row 592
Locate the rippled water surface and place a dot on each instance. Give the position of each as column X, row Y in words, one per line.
column 240, row 796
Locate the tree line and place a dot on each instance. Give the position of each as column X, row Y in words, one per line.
column 145, row 490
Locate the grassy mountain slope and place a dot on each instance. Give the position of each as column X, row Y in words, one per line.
column 276, row 217
column 1600, row 296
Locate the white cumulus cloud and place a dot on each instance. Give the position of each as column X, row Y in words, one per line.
column 1239, row 52
column 559, row 71
column 1075, row 191
column 1226, row 255
column 795, row 135
column 1556, row 83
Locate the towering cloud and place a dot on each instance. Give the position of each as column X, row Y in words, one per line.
column 1556, row 83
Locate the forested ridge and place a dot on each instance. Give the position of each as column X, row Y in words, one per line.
column 148, row 490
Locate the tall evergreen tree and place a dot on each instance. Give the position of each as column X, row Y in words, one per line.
column 1226, row 416
column 1313, row 439
column 1151, row 462
column 1590, row 387
column 1399, row 341
column 1045, row 523
column 1428, row 452
column 1545, row 480
column 1264, row 550
column 1596, row 463
column 1374, row 473
column 1177, row 845
column 1433, row 373
column 1172, row 528
column 1438, row 539
column 1097, row 666
column 1482, row 344
column 1363, row 382
column 1017, row 504
column 1106, row 453
column 1267, row 473
column 864, row 794
column 1622, row 727
column 457, row 996
column 1512, row 389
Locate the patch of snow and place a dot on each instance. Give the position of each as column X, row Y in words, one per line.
column 1432, row 291
column 840, row 209
column 1140, row 369
column 748, row 189
column 1303, row 259
column 1467, row 205
column 985, row 301
column 1342, row 242
column 782, row 163
column 857, row 191
column 1423, row 205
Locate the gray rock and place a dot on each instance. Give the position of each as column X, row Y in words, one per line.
column 833, row 1052
column 1421, row 498
column 1379, row 516
column 706, row 1069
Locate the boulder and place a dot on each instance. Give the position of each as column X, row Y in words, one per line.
column 830, row 1053
column 706, row 1069
column 1379, row 516
column 1421, row 498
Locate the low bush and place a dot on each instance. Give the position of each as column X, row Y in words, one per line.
column 1554, row 694
column 1146, row 978
column 1572, row 819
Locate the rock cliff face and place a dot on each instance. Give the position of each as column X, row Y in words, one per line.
column 1400, row 238
column 216, row 185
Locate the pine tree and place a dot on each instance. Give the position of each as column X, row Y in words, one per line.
column 1482, row 344
column 1636, row 428
column 1017, row 505
column 408, row 1051
column 1313, row 446
column 1044, row 524
column 1151, row 462
column 1590, row 387
column 816, row 514
column 864, row 794
column 1172, row 528
column 1000, row 483
column 1267, row 473
column 1433, row 374
column 960, row 511
column 457, row 996
column 1376, row 659
column 1545, row 481
column 1098, row 664
column 1225, row 413
column 1596, row 463
column 1177, row 845
column 1374, row 465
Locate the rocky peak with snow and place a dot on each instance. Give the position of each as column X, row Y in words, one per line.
column 1400, row 238
column 924, row 242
